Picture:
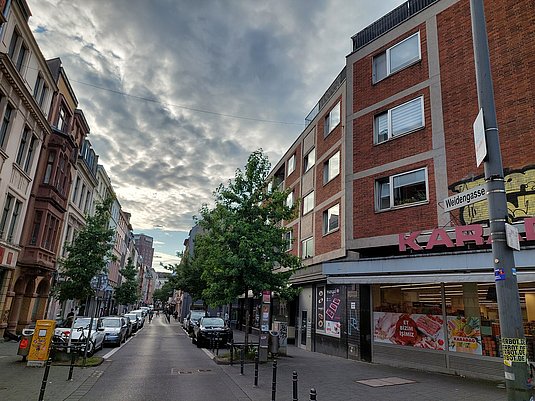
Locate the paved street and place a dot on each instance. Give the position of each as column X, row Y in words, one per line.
column 160, row 363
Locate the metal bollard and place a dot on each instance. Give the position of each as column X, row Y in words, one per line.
column 242, row 359
column 232, row 352
column 312, row 394
column 71, row 368
column 45, row 379
column 274, row 384
column 256, row 358
column 294, row 381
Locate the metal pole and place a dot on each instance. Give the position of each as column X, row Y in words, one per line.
column 312, row 394
column 242, row 357
column 294, row 380
column 232, row 352
column 45, row 379
column 274, row 383
column 73, row 357
column 509, row 309
column 256, row 369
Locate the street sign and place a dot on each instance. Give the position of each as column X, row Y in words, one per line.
column 511, row 233
column 480, row 140
column 465, row 198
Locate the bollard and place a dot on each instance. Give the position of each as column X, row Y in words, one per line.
column 242, row 359
column 45, row 379
column 71, row 368
column 312, row 394
column 256, row 358
column 274, row 384
column 232, row 352
column 294, row 381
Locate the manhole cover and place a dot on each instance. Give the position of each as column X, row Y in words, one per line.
column 387, row 381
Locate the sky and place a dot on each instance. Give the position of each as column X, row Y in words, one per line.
column 179, row 93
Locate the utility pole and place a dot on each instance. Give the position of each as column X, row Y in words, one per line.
column 513, row 341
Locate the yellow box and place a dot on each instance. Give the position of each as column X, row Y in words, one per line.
column 41, row 342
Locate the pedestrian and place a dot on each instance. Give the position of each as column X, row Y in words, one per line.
column 168, row 317
column 175, row 315
column 150, row 316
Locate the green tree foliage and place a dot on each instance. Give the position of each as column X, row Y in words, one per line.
column 187, row 276
column 243, row 244
column 87, row 256
column 163, row 294
column 128, row 292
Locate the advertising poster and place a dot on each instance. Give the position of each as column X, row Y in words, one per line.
column 413, row 330
column 464, row 334
column 333, row 311
column 320, row 309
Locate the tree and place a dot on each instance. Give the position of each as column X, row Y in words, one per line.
column 87, row 256
column 187, row 275
column 243, row 239
column 128, row 292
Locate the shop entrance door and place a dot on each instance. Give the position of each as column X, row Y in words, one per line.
column 303, row 328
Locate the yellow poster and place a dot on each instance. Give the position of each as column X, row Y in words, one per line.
column 514, row 350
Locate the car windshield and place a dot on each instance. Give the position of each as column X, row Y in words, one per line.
column 196, row 315
column 84, row 322
column 132, row 316
column 213, row 322
column 112, row 322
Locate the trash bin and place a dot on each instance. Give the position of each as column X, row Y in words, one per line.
column 274, row 342
column 24, row 346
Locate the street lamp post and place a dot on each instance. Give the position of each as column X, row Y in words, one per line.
column 513, row 341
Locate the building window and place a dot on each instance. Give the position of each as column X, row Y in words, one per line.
column 291, row 165
column 17, row 50
column 332, row 120
column 290, row 199
column 63, row 120
column 36, row 227
column 288, row 239
column 331, row 219
column 331, row 168
column 87, row 201
column 402, row 189
column 26, row 151
column 82, row 193
column 307, row 248
column 309, row 160
column 6, row 119
column 397, row 57
column 308, row 203
column 10, row 217
column 76, row 188
column 402, row 119
column 49, row 167
column 40, row 90
column 50, row 232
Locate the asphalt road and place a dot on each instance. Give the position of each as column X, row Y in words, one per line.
column 160, row 363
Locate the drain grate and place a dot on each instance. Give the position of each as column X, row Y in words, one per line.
column 175, row 371
column 387, row 381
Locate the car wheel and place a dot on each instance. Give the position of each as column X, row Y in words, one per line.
column 90, row 348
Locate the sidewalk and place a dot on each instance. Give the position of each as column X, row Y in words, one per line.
column 21, row 383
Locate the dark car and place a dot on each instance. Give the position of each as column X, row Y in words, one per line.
column 212, row 328
column 192, row 319
column 115, row 328
column 134, row 319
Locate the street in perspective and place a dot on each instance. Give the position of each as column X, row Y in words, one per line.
column 267, row 200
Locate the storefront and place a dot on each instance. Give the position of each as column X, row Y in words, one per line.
column 436, row 312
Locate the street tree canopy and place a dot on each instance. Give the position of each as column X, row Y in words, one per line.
column 128, row 292
column 88, row 255
column 242, row 246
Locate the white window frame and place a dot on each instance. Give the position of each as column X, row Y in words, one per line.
column 331, row 168
column 290, row 199
column 390, row 123
column 309, row 160
column 291, row 165
column 308, row 203
column 379, row 183
column 307, row 248
column 333, row 210
column 386, row 54
column 27, row 149
column 6, row 124
column 289, row 238
column 11, row 216
column 333, row 119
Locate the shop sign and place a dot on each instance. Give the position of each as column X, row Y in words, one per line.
column 462, row 235
column 333, row 312
column 514, row 350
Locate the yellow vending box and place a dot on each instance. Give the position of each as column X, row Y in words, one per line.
column 41, row 342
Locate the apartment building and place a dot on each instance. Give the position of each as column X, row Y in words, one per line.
column 26, row 88
column 392, row 274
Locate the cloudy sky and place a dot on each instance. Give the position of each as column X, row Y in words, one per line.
column 179, row 93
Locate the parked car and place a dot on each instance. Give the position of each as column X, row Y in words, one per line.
column 141, row 315
column 81, row 331
column 191, row 320
column 115, row 329
column 211, row 328
column 134, row 319
column 129, row 326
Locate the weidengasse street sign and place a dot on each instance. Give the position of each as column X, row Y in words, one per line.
column 465, row 198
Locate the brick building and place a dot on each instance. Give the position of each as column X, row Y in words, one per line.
column 389, row 274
